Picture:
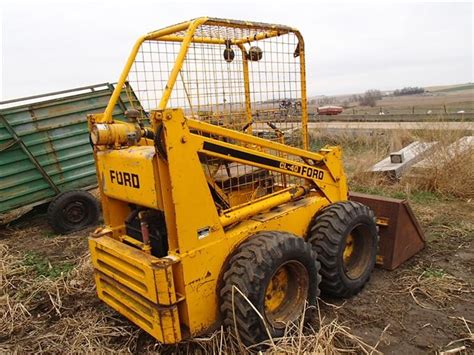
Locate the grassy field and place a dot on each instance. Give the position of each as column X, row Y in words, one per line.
column 450, row 88
column 48, row 302
column 439, row 100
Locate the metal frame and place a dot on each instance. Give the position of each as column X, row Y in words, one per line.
column 54, row 93
column 189, row 28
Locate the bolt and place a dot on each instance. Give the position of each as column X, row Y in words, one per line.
column 157, row 117
column 184, row 139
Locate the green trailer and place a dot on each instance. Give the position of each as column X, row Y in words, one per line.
column 46, row 156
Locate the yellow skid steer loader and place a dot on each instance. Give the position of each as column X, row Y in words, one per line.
column 214, row 206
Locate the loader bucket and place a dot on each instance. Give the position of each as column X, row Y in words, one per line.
column 401, row 236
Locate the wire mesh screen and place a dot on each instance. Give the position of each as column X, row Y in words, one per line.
column 235, row 81
column 211, row 85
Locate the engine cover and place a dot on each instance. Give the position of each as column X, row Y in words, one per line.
column 130, row 175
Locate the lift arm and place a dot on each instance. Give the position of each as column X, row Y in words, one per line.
column 322, row 170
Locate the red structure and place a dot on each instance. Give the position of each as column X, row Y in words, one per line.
column 329, row 110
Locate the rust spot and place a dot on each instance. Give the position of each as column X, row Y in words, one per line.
column 48, row 147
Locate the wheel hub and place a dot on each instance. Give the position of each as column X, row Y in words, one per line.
column 286, row 293
column 348, row 250
column 75, row 212
column 276, row 290
column 356, row 253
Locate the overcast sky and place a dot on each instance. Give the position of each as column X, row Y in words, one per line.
column 350, row 47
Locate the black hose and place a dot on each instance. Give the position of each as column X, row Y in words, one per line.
column 159, row 142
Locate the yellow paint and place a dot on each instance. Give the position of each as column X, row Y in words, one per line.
column 114, row 133
column 277, row 290
column 121, row 171
column 348, row 249
column 179, row 292
column 245, row 72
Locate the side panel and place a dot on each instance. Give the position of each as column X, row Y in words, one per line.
column 137, row 285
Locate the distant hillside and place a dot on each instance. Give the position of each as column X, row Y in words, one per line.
column 439, row 99
column 437, row 89
column 450, row 88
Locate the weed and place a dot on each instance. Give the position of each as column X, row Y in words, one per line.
column 422, row 197
column 43, row 267
column 432, row 272
column 50, row 234
column 371, row 190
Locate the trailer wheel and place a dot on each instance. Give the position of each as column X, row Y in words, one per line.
column 345, row 237
column 278, row 273
column 73, row 210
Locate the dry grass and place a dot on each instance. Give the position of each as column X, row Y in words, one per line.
column 433, row 288
column 53, row 314
column 451, row 173
column 330, row 337
column 62, row 314
column 437, row 292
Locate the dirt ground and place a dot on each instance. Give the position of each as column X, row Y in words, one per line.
column 48, row 301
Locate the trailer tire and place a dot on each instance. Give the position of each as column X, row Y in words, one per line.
column 73, row 210
column 345, row 236
column 278, row 273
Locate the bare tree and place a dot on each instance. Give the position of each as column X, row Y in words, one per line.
column 370, row 98
column 326, row 100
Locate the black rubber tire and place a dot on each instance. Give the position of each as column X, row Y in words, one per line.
column 328, row 232
column 73, row 210
column 251, row 268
